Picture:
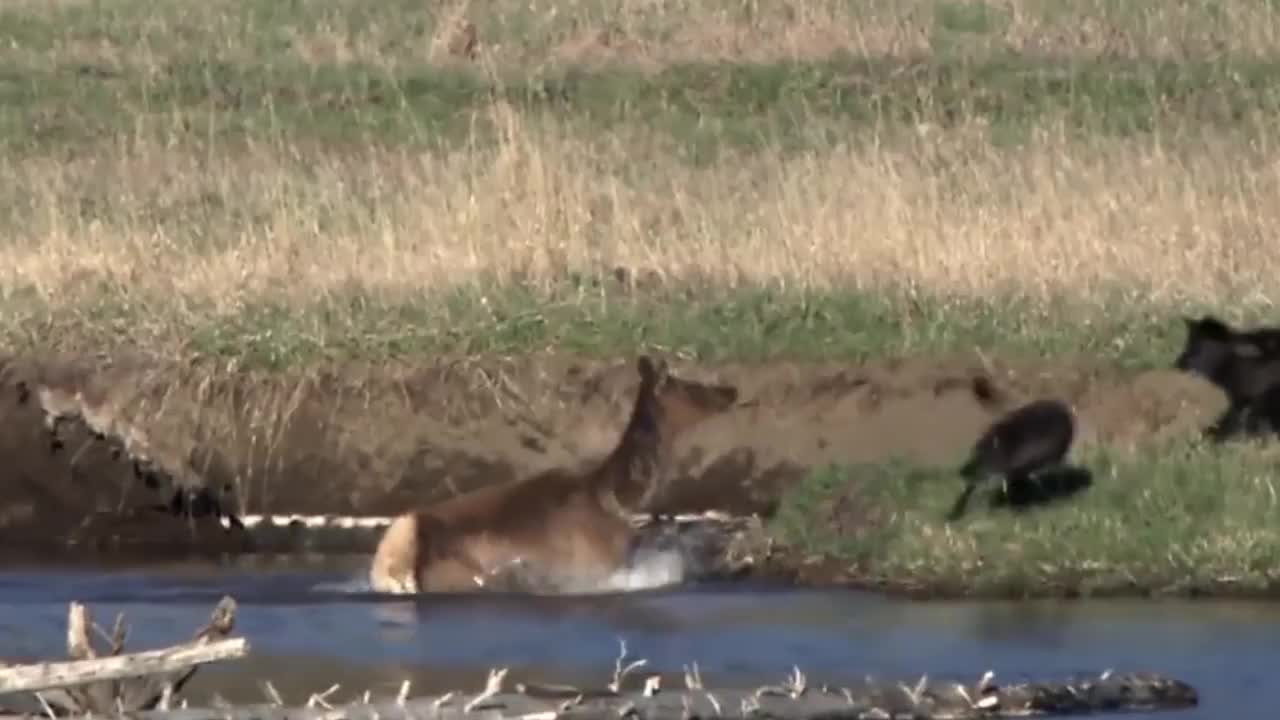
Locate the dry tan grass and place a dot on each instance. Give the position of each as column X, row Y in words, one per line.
column 174, row 229
column 525, row 34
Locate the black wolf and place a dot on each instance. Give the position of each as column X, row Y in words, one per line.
column 1019, row 444
column 1244, row 364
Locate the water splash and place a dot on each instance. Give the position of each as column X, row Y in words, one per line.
column 356, row 583
column 648, row 570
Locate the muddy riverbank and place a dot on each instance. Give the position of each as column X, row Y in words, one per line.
column 139, row 440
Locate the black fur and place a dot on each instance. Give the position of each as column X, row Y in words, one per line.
column 1019, row 444
column 1245, row 365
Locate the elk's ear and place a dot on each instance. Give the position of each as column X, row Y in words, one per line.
column 645, row 366
column 652, row 372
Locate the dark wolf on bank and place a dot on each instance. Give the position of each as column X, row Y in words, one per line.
column 1019, row 444
column 1245, row 365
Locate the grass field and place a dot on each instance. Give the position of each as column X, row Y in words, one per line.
column 1175, row 518
column 282, row 181
column 277, row 182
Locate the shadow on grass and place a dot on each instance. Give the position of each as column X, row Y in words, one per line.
column 1053, row 485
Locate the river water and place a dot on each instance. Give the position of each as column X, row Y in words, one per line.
column 312, row 626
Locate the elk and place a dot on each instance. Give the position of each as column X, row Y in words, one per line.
column 558, row 527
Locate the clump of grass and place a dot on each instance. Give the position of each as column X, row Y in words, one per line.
column 1177, row 517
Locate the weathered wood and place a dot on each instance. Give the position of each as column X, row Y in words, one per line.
column 78, row 672
column 120, row 682
column 791, row 701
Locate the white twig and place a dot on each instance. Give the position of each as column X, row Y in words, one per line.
column 492, row 687
column 917, row 693
column 797, row 683
column 404, row 693
column 272, row 695
column 45, row 704
column 322, row 699
column 692, row 677
column 985, row 682
column 652, row 685
column 620, row 672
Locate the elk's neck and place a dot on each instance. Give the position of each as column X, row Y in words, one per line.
column 632, row 474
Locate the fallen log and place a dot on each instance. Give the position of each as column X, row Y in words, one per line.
column 120, row 682
column 1127, row 693
column 793, row 699
column 150, row 662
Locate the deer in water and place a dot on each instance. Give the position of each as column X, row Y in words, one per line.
column 559, row 525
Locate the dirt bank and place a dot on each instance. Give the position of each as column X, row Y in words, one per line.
column 142, row 439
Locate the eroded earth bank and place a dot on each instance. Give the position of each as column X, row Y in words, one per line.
column 141, row 447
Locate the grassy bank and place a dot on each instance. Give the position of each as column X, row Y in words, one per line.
column 279, row 182
column 1179, row 518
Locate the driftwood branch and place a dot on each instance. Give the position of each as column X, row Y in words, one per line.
column 114, row 682
column 27, row 678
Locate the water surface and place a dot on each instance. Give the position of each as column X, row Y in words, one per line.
column 310, row 627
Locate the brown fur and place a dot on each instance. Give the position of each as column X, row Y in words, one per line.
column 559, row 523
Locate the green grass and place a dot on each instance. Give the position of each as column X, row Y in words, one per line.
column 1178, row 517
column 710, row 325
column 61, row 105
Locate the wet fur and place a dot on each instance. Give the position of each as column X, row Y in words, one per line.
column 1244, row 364
column 556, row 527
column 1019, row 444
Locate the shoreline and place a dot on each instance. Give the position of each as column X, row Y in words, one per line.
column 826, row 447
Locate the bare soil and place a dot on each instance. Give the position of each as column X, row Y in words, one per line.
column 145, row 439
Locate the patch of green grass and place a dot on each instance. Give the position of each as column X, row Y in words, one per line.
column 1176, row 517
column 712, row 325
column 956, row 22
column 700, row 106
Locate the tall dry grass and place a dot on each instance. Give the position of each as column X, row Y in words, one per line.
column 182, row 229
column 169, row 230
column 531, row 34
